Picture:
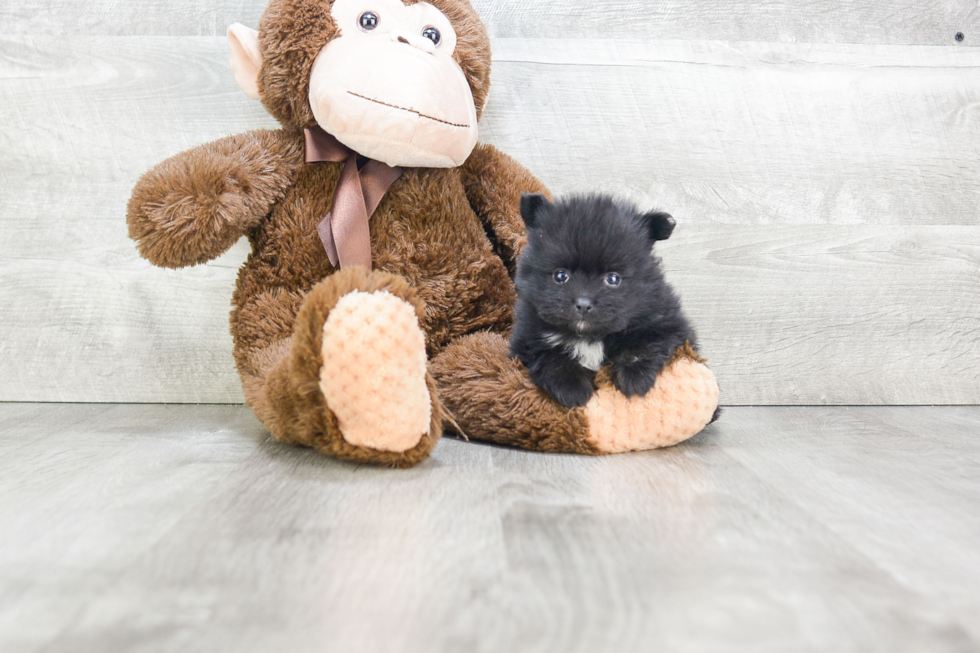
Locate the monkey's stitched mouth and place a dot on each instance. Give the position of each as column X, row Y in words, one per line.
column 418, row 113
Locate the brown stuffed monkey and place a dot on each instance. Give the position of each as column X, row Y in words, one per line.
column 375, row 304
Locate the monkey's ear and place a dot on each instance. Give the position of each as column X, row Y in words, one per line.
column 659, row 225
column 246, row 58
column 531, row 205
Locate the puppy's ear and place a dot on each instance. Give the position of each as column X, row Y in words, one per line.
column 659, row 225
column 531, row 205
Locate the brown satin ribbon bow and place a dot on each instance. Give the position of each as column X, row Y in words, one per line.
column 344, row 231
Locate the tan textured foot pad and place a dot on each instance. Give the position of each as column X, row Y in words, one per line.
column 373, row 374
column 679, row 407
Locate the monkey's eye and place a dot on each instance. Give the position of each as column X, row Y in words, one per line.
column 561, row 276
column 612, row 279
column 433, row 35
column 368, row 21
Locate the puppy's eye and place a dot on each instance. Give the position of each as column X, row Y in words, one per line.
column 562, row 276
column 368, row 21
column 612, row 279
column 433, row 35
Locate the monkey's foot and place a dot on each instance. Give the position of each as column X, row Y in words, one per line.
column 373, row 373
column 678, row 407
column 351, row 382
column 492, row 397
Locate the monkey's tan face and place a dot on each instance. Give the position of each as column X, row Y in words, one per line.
column 389, row 88
column 386, row 86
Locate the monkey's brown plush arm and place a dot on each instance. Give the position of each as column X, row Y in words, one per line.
column 494, row 183
column 195, row 205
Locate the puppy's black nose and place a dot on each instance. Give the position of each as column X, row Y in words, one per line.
column 583, row 305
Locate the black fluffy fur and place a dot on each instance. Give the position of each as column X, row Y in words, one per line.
column 638, row 323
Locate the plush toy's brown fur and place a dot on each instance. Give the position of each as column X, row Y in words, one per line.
column 445, row 240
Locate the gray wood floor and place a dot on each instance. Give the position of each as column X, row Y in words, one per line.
column 186, row 528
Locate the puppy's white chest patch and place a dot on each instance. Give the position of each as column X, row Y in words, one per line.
column 590, row 354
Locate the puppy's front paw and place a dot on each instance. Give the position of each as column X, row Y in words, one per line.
column 635, row 379
column 568, row 388
column 572, row 394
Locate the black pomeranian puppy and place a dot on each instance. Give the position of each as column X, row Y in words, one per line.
column 590, row 292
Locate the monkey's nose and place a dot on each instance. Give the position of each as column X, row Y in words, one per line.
column 418, row 42
column 583, row 305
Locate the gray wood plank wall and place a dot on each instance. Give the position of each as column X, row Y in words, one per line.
column 910, row 22
column 821, row 158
